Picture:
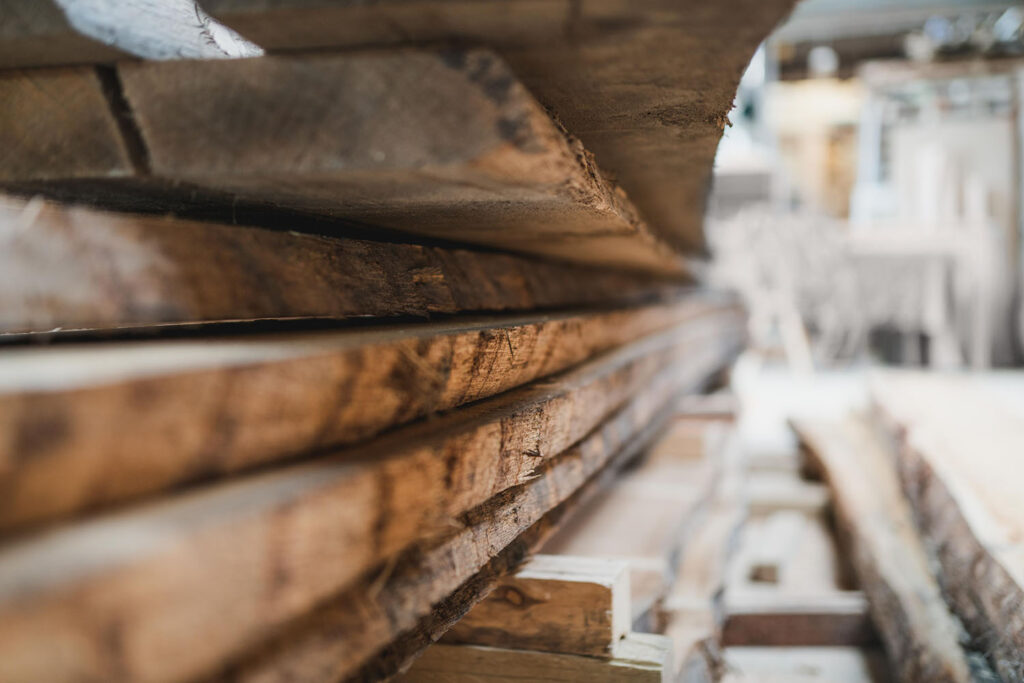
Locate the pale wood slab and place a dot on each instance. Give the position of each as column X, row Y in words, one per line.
column 88, row 425
column 907, row 606
column 563, row 604
column 639, row 657
column 170, row 590
column 959, row 438
column 44, row 32
column 805, row 665
column 74, row 268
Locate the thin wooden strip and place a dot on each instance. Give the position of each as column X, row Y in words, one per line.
column 385, row 626
column 442, row 143
column 44, row 32
column 907, row 606
column 639, row 658
column 73, row 268
column 88, row 425
column 958, row 442
column 563, row 604
column 170, row 590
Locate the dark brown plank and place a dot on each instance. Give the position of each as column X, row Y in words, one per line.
column 73, row 268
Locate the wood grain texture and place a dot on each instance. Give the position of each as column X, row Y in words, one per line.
column 906, row 604
column 640, row 657
column 391, row 607
column 74, row 268
column 46, row 32
column 128, row 419
column 443, row 143
column 821, row 619
column 647, row 85
column 958, row 441
column 169, row 590
column 563, row 604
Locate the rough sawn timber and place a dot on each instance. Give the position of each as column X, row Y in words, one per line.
column 444, row 143
column 214, row 571
column 133, row 418
column 67, row 268
column 890, row 561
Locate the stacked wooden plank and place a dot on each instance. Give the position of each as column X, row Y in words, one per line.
column 925, row 497
column 302, row 354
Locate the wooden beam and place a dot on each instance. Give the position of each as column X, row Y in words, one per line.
column 836, row 664
column 454, row 148
column 135, row 418
column 170, row 590
column 563, row 604
column 73, row 268
column 390, row 618
column 640, row 657
column 958, row 440
column 919, row 633
column 45, row 32
column 819, row 619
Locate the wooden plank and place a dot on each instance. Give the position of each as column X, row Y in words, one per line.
column 72, row 268
column 45, row 32
column 663, row 496
column 563, row 604
column 398, row 608
column 959, row 441
column 134, row 418
column 907, row 606
column 454, row 147
column 169, row 590
column 639, row 657
column 647, row 85
column 822, row 619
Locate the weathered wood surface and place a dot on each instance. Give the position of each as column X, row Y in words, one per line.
column 378, row 612
column 442, row 143
column 136, row 417
column 906, row 604
column 639, row 658
column 74, row 268
column 169, row 590
column 805, row 665
column 959, row 441
column 646, row 85
column 562, row 604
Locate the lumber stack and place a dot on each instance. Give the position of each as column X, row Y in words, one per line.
column 317, row 319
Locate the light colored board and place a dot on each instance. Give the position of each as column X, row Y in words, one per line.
column 641, row 657
column 73, row 268
column 771, row 491
column 391, row 617
column 804, row 665
column 453, row 147
column 958, row 440
column 562, row 604
column 44, row 32
column 776, row 542
column 88, row 425
column 907, row 606
column 170, row 590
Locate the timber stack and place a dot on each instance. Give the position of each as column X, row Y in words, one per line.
column 319, row 318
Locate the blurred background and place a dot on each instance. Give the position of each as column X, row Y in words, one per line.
column 866, row 198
